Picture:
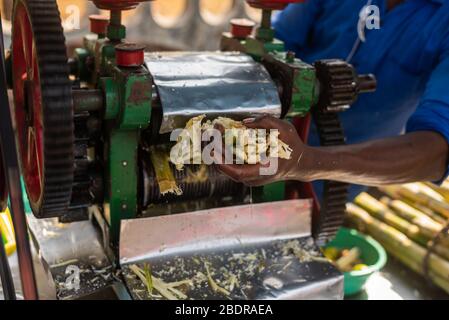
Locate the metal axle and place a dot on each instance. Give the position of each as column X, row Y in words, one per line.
column 88, row 100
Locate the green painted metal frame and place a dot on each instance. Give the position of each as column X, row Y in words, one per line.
column 129, row 110
column 128, row 93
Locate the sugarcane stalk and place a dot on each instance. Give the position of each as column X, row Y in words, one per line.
column 425, row 223
column 383, row 213
column 426, row 189
column 443, row 191
column 393, row 192
column 345, row 262
column 427, row 226
column 425, row 196
column 428, row 212
column 416, row 267
column 164, row 174
column 398, row 241
column 445, row 185
column 442, row 251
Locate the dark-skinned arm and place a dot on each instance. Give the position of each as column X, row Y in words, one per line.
column 418, row 156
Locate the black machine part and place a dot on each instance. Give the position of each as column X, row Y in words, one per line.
column 57, row 112
column 340, row 85
column 3, row 185
column 335, row 194
column 283, row 76
column 339, row 88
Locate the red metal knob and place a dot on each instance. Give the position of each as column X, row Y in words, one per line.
column 242, row 28
column 98, row 24
column 272, row 4
column 129, row 55
column 117, row 4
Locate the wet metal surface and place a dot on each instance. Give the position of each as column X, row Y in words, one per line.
column 212, row 83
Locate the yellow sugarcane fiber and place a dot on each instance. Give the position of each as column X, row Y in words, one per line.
column 164, row 175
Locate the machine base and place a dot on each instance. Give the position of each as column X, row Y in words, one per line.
column 262, row 251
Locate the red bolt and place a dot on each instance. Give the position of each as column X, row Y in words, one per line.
column 98, row 24
column 242, row 28
column 129, row 55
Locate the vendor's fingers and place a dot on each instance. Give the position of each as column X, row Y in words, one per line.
column 251, row 180
column 264, row 122
column 268, row 123
column 240, row 173
column 220, row 128
column 219, row 152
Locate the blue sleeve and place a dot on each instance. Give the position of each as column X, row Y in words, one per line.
column 432, row 113
column 294, row 23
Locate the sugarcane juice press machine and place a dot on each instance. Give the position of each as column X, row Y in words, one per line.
column 86, row 128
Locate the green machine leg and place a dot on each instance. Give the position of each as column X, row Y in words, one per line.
column 128, row 99
column 123, row 170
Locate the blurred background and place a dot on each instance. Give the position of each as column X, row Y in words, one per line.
column 161, row 24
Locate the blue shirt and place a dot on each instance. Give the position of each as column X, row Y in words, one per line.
column 409, row 55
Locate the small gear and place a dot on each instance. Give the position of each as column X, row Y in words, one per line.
column 338, row 85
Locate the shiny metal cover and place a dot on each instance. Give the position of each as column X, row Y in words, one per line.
column 226, row 84
column 179, row 246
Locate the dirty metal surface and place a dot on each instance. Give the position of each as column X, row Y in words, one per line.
column 289, row 270
column 69, row 252
column 261, row 251
column 223, row 84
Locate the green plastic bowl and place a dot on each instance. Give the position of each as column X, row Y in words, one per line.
column 372, row 254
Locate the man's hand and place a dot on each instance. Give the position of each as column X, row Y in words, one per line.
column 417, row 156
column 287, row 169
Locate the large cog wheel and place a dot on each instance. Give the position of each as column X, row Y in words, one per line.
column 43, row 106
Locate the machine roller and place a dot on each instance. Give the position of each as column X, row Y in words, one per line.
column 86, row 128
